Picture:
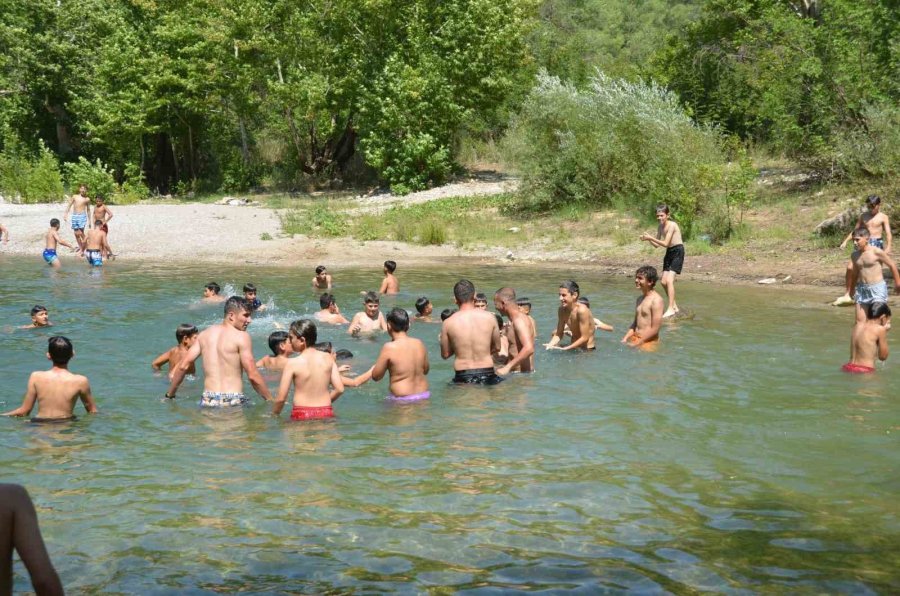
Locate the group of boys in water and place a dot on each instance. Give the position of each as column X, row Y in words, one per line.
column 484, row 348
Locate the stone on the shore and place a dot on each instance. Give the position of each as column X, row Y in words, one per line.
column 840, row 223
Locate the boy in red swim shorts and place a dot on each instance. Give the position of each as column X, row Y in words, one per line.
column 312, row 372
column 869, row 339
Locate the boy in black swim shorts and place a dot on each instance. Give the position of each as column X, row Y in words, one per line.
column 668, row 236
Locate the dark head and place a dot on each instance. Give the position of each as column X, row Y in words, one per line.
column 398, row 320
column 325, row 346
column 98, row 223
column 99, row 199
column 343, row 355
column 185, row 330
column 390, row 266
column 503, row 298
column 371, row 298
column 60, row 350
column 236, row 304
column 862, row 232
column 326, row 300
column 249, row 288
column 464, row 291
column 54, row 223
column 649, row 273
column 585, row 301
column 422, row 304
column 447, row 313
column 481, row 300
column 320, row 269
column 499, row 320
column 213, row 287
column 525, row 302
column 276, row 338
column 876, row 310
column 306, row 330
column 37, row 308
column 873, row 201
column 571, row 287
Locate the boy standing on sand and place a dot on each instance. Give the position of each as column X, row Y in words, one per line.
column 57, row 389
column 867, row 275
column 80, row 205
column 312, row 372
column 577, row 316
column 668, row 236
column 39, row 318
column 52, row 239
column 648, row 311
column 330, row 312
column 371, row 319
column 390, row 285
column 102, row 213
column 186, row 334
column 879, row 236
column 869, row 339
column 322, row 280
column 95, row 245
column 280, row 344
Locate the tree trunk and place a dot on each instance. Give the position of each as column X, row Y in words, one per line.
column 191, row 152
column 174, row 156
column 61, row 118
column 245, row 149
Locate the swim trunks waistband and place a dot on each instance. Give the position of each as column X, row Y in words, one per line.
column 876, row 292
column 220, row 399
column 857, row 368
column 54, row 420
column 311, row 413
column 413, row 397
column 877, row 242
column 477, row 376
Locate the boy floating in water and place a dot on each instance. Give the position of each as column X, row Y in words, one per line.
column 280, row 344
column 867, row 276
column 103, row 214
column 322, row 280
column 56, row 390
column 80, row 205
column 869, row 339
column 879, row 236
column 424, row 310
column 330, row 312
column 95, row 245
column 648, row 311
column 370, row 320
column 404, row 358
column 186, row 335
column 668, row 236
column 52, row 240
column 577, row 316
column 389, row 285
column 39, row 317
column 252, row 300
column 314, row 374
column 211, row 293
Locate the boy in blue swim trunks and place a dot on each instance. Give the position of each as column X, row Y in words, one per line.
column 95, row 245
column 52, row 240
column 867, row 275
column 879, row 227
column 80, row 205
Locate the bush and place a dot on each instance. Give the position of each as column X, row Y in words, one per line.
column 28, row 179
column 614, row 142
column 871, row 150
column 133, row 188
column 97, row 177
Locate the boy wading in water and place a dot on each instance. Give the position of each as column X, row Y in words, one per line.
column 879, row 236
column 577, row 316
column 519, row 333
column 389, row 285
column 314, row 374
column 648, row 311
column 39, row 318
column 80, row 205
column 472, row 335
column 322, row 280
column 103, row 214
column 280, row 344
column 56, row 390
column 867, row 276
column 668, row 236
column 330, row 312
column 52, row 240
column 370, row 320
column 95, row 245
column 186, row 334
column 869, row 339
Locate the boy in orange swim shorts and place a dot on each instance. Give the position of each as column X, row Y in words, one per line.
column 648, row 311
column 314, row 374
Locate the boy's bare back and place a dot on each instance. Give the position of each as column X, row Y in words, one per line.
column 311, row 373
column 56, row 392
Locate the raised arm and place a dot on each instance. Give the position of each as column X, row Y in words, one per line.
column 28, row 401
column 246, row 352
column 18, row 515
column 87, row 398
column 177, row 375
column 337, row 384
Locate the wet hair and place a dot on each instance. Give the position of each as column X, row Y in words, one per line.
column 875, row 310
column 585, row 301
column 60, row 348
column 873, row 200
column 662, row 208
column 98, row 222
column 421, row 303
column 324, row 346
column 398, row 319
column 320, row 269
column 54, row 223
column 649, row 273
column 499, row 320
column 464, row 291
column 371, row 297
column 506, row 294
column 249, row 288
column 343, row 354
column 480, row 297
column 306, row 329
column 861, row 233
column 185, row 330
column 524, row 302
column 326, row 300
column 390, row 266
column 235, row 304
column 38, row 308
column 571, row 287
column 276, row 338
column 216, row 288
column 447, row 313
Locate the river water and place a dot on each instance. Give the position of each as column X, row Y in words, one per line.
column 737, row 458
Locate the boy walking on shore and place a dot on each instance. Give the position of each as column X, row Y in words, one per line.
column 80, row 205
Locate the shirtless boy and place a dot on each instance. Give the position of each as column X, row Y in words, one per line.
column 472, row 335
column 52, row 240
column 879, row 236
column 577, row 316
column 525, row 306
column 80, row 205
column 280, row 344
column 668, row 236
column 56, row 390
column 370, row 320
column 95, row 245
column 227, row 352
column 480, row 300
column 389, row 285
column 314, row 374
column 39, row 317
column 330, row 312
column 648, row 311
column 404, row 358
column 867, row 275
column 518, row 332
column 322, row 280
column 252, row 300
column 869, row 339
column 424, row 310
column 211, row 293
column 102, row 213
column 4, row 234
column 186, row 335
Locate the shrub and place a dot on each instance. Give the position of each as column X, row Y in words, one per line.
column 133, row 187
column 871, row 150
column 433, row 233
column 96, row 176
column 29, row 179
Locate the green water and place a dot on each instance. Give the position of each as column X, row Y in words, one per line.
column 738, row 458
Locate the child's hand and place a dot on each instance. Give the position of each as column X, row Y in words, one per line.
column 344, row 368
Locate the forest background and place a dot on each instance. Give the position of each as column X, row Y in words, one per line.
column 594, row 103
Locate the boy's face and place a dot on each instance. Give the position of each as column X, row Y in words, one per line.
column 251, row 296
column 873, row 209
column 190, row 340
column 860, row 242
column 208, row 293
column 482, row 304
column 286, row 347
column 240, row 319
column 82, row 189
column 321, row 276
column 428, row 310
column 372, row 309
column 662, row 217
column 333, row 308
column 567, row 298
column 40, row 318
column 642, row 283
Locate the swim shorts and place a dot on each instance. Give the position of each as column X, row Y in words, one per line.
column 221, row 399
column 674, row 259
column 79, row 221
column 105, row 228
column 857, row 368
column 50, row 255
column 255, row 304
column 477, row 376
column 876, row 292
column 94, row 258
column 310, row 413
column 650, row 346
column 413, row 397
column 877, row 242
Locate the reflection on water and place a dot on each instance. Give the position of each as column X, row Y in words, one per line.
column 736, row 458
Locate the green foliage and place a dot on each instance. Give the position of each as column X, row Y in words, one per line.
column 27, row 178
column 320, row 220
column 873, row 149
column 613, row 142
column 96, row 176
